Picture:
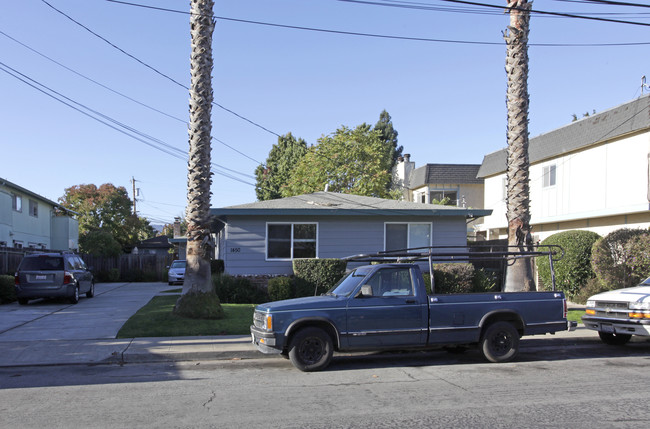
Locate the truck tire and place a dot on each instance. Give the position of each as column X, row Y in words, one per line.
column 614, row 339
column 500, row 342
column 311, row 349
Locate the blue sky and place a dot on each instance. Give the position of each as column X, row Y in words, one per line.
column 447, row 100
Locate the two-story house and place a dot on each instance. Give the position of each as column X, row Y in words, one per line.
column 593, row 174
column 451, row 184
column 28, row 220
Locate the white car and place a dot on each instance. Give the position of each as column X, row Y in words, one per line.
column 619, row 314
column 176, row 272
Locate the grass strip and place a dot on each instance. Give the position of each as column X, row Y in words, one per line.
column 575, row 315
column 156, row 319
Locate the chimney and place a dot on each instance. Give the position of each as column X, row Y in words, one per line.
column 177, row 227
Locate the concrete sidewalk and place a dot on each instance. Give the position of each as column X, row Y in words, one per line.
column 141, row 350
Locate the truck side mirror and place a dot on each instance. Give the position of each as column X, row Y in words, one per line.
column 366, row 291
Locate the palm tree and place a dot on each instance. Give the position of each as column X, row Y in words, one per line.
column 519, row 276
column 198, row 298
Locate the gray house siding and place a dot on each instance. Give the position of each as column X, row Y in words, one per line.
column 244, row 250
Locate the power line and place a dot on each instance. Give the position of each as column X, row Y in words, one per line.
column 385, row 36
column 114, row 124
column 154, row 69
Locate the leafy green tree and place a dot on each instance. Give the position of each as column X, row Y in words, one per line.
column 388, row 134
column 106, row 208
column 282, row 159
column 621, row 259
column 350, row 161
column 99, row 242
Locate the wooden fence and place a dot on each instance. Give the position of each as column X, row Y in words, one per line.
column 120, row 268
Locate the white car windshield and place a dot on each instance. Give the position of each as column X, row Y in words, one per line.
column 646, row 282
column 178, row 264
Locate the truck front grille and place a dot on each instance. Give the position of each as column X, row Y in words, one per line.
column 611, row 310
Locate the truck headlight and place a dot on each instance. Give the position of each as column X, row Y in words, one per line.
column 639, row 305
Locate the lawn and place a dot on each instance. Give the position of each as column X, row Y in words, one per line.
column 157, row 320
column 575, row 315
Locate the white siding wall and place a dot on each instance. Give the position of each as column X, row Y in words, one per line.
column 603, row 181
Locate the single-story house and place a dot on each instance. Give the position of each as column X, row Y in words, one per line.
column 264, row 237
column 593, row 174
column 159, row 245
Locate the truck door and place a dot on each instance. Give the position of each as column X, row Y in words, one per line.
column 395, row 314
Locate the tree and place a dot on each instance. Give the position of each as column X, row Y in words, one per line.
column 198, row 299
column 282, row 159
column 348, row 161
column 107, row 208
column 519, row 275
column 388, row 134
column 99, row 242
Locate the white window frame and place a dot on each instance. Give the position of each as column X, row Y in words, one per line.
column 408, row 231
column 549, row 176
column 444, row 191
column 291, row 258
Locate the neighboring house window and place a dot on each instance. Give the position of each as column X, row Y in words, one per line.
column 447, row 197
column 291, row 240
column 17, row 202
column 406, row 235
column 33, row 208
column 423, row 197
column 549, row 176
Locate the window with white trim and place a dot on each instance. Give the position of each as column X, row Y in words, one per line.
column 549, row 176
column 406, row 235
column 291, row 240
column 444, row 196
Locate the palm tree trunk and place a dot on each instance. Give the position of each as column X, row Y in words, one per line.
column 199, row 180
column 519, row 275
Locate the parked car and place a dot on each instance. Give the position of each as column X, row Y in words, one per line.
column 619, row 314
column 51, row 275
column 176, row 272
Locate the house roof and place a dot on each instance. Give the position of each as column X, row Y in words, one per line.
column 335, row 204
column 22, row 190
column 159, row 242
column 445, row 173
column 627, row 118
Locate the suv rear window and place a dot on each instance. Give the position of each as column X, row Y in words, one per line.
column 42, row 263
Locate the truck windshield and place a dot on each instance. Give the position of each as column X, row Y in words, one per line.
column 349, row 282
column 646, row 282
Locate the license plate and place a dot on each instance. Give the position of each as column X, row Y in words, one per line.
column 41, row 277
column 608, row 328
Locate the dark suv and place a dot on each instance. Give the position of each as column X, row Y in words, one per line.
column 50, row 275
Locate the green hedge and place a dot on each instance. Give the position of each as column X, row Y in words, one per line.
column 319, row 275
column 280, row 288
column 621, row 259
column 573, row 271
column 461, row 278
column 7, row 289
column 237, row 290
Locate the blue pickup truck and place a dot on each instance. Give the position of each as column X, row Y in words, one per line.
column 386, row 307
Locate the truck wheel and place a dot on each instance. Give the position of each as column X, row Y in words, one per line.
column 311, row 349
column 500, row 343
column 614, row 339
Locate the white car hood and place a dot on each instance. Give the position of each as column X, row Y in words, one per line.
column 630, row 294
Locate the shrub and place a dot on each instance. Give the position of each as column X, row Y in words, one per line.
column 573, row 271
column 237, row 290
column 461, row 278
column 322, row 274
column 280, row 288
column 621, row 258
column 486, row 280
column 7, row 289
column 199, row 305
column 592, row 287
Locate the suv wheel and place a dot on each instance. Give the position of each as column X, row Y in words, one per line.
column 75, row 296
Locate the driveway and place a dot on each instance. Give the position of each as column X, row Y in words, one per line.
column 100, row 317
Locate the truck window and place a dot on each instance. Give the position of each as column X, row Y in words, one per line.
column 392, row 282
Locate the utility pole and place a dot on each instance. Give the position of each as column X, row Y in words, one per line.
column 134, row 200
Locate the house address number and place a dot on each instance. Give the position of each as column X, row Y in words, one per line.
column 235, row 249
